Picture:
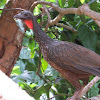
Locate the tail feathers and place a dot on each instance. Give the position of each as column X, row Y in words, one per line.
column 89, row 69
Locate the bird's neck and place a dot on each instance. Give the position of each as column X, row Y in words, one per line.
column 40, row 35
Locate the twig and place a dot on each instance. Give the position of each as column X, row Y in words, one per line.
column 67, row 27
column 49, row 17
column 56, row 19
column 89, row 85
column 56, row 7
column 47, row 26
column 47, row 12
column 91, row 2
column 42, row 22
column 13, row 9
column 37, row 73
column 39, row 66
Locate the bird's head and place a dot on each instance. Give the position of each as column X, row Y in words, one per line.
column 27, row 17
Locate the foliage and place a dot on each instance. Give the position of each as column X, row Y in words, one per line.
column 2, row 3
column 49, row 83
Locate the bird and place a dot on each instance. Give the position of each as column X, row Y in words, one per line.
column 73, row 61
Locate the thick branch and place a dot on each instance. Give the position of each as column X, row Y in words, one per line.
column 56, row 7
column 9, row 34
column 10, row 90
column 56, row 20
column 97, row 22
column 82, row 10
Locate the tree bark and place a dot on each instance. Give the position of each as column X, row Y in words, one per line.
column 10, row 37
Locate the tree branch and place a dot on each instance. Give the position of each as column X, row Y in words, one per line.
column 47, row 12
column 10, row 90
column 89, row 85
column 49, row 17
column 39, row 66
column 67, row 27
column 56, row 7
column 13, row 9
column 82, row 10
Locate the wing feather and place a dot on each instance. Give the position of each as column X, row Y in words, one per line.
column 74, row 58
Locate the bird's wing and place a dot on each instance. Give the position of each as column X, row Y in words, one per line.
column 74, row 57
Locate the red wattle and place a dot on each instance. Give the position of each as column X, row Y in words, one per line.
column 29, row 23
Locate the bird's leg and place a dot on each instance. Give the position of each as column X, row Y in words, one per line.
column 77, row 94
column 74, row 80
column 71, row 77
column 89, row 85
column 85, row 82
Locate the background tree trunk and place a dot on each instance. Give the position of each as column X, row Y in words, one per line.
column 10, row 37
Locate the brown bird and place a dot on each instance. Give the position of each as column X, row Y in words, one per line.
column 73, row 61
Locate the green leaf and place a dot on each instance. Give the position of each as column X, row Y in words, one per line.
column 82, row 17
column 22, row 85
column 2, row 3
column 51, row 0
column 78, row 3
column 51, row 72
column 87, row 36
column 25, row 41
column 32, row 54
column 70, row 3
column 16, row 71
column 31, row 44
column 36, row 60
column 25, row 53
column 27, row 76
column 30, row 67
column 94, row 91
column 21, row 64
column 94, row 6
column 82, row 1
column 32, row 85
column 61, row 3
column 29, row 33
column 41, row 90
column 44, row 65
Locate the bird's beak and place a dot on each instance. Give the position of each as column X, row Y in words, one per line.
column 18, row 16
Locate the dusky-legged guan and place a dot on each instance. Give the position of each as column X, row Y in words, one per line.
column 73, row 61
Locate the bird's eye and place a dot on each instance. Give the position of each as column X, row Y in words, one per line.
column 26, row 14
